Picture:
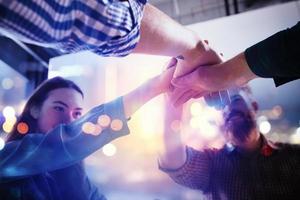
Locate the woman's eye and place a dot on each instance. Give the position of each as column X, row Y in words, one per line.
column 58, row 108
column 77, row 114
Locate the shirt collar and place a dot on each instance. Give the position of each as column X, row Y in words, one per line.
column 267, row 147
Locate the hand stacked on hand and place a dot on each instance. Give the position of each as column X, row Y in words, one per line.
column 204, row 73
column 186, row 82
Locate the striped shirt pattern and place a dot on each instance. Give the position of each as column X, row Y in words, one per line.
column 272, row 173
column 106, row 27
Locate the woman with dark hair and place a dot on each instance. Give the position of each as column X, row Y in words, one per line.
column 36, row 101
column 46, row 162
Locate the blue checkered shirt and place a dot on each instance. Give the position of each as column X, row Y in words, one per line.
column 106, row 27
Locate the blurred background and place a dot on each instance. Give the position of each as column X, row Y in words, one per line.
column 127, row 168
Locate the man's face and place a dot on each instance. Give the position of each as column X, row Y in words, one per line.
column 239, row 119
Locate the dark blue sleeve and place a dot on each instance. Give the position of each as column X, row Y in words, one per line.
column 63, row 146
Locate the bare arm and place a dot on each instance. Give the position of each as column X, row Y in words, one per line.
column 173, row 155
column 150, row 89
column 161, row 35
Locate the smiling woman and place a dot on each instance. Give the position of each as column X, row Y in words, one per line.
column 42, row 158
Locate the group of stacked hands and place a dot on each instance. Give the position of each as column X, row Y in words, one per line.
column 117, row 28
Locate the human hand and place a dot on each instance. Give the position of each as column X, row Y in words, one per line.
column 201, row 55
column 163, row 81
column 234, row 72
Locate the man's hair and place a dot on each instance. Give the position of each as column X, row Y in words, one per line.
column 36, row 100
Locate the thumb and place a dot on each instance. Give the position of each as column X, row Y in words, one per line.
column 182, row 67
column 171, row 63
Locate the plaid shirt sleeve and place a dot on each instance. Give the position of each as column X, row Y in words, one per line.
column 108, row 28
column 194, row 173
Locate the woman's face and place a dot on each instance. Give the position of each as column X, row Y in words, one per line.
column 62, row 106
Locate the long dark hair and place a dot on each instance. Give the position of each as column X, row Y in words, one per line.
column 37, row 99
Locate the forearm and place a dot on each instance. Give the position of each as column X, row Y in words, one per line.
column 161, row 35
column 173, row 154
column 144, row 93
column 194, row 173
column 139, row 96
column 238, row 70
column 235, row 72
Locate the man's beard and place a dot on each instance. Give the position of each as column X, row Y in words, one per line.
column 239, row 125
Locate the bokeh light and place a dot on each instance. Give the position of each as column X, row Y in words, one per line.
column 97, row 130
column 208, row 131
column 88, row 128
column 22, row 128
column 176, row 125
column 7, row 83
column 295, row 138
column 109, row 149
column 2, row 143
column 104, row 120
column 7, row 126
column 116, row 125
column 194, row 122
column 264, row 127
column 298, row 131
column 277, row 111
column 196, row 109
column 8, row 112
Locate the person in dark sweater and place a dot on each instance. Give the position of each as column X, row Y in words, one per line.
column 247, row 167
column 275, row 57
column 43, row 155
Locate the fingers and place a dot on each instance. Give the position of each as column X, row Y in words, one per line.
column 164, row 80
column 176, row 94
column 183, row 67
column 187, row 81
column 179, row 97
column 171, row 63
column 185, row 97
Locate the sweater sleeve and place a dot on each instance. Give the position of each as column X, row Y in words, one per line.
column 64, row 145
column 195, row 172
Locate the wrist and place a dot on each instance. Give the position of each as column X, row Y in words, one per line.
column 245, row 72
column 154, row 86
column 196, row 48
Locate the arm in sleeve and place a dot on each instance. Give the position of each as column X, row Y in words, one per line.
column 109, row 28
column 63, row 146
column 277, row 56
column 195, row 172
